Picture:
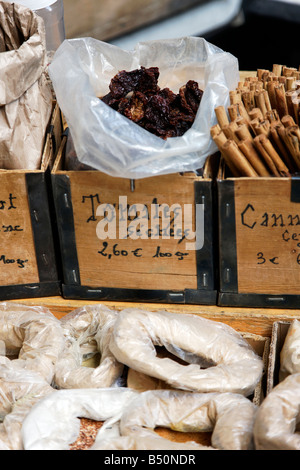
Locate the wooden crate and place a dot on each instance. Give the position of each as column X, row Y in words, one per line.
column 154, row 270
column 279, row 332
column 259, row 241
column 28, row 266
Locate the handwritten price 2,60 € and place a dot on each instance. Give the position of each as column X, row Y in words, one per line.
column 138, row 252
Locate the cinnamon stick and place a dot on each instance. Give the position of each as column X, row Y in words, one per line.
column 233, row 111
column 271, row 93
column 288, row 120
column 215, row 130
column 267, row 100
column 292, row 103
column 288, row 71
column 278, row 162
column 261, row 127
column 222, row 117
column 291, row 137
column 277, row 69
column 248, row 100
column 260, row 102
column 278, row 142
column 256, row 113
column 235, row 96
column 242, row 132
column 261, row 72
column 243, row 112
column 272, row 115
column 248, row 149
column 281, row 100
column 230, row 130
column 266, row 157
column 238, row 159
column 290, row 83
column 220, row 140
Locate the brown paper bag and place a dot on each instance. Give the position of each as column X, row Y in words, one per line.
column 25, row 92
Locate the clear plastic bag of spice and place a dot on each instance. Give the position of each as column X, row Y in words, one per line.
column 106, row 140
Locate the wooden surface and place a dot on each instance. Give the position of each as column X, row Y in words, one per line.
column 253, row 320
column 107, row 19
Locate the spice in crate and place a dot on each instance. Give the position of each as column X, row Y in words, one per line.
column 259, row 134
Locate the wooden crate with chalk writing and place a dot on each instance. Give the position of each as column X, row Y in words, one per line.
column 135, row 240
column 259, row 241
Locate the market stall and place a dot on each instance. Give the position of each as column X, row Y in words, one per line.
column 149, row 283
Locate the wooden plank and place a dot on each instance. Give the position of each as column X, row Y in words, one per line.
column 247, row 73
column 109, row 19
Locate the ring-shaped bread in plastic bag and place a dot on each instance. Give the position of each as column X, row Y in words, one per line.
column 290, row 351
column 20, row 389
column 88, row 332
column 219, row 358
column 275, row 426
column 230, row 418
column 32, row 336
column 54, row 424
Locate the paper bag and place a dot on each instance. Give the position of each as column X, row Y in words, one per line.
column 25, row 93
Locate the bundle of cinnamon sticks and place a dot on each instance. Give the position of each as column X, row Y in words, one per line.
column 259, row 134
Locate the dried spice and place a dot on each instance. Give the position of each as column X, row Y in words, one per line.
column 87, row 434
column 137, row 96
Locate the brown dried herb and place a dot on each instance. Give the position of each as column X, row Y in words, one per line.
column 137, row 96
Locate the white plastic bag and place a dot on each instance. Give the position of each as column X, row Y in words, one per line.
column 54, row 422
column 88, row 330
column 290, row 352
column 106, row 140
column 218, row 358
column 276, row 425
column 20, row 389
column 33, row 335
column 230, row 418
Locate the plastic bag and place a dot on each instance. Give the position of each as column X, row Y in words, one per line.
column 33, row 338
column 290, row 352
column 20, row 389
column 107, row 141
column 276, row 425
column 54, row 424
column 218, row 358
column 230, row 418
column 87, row 331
